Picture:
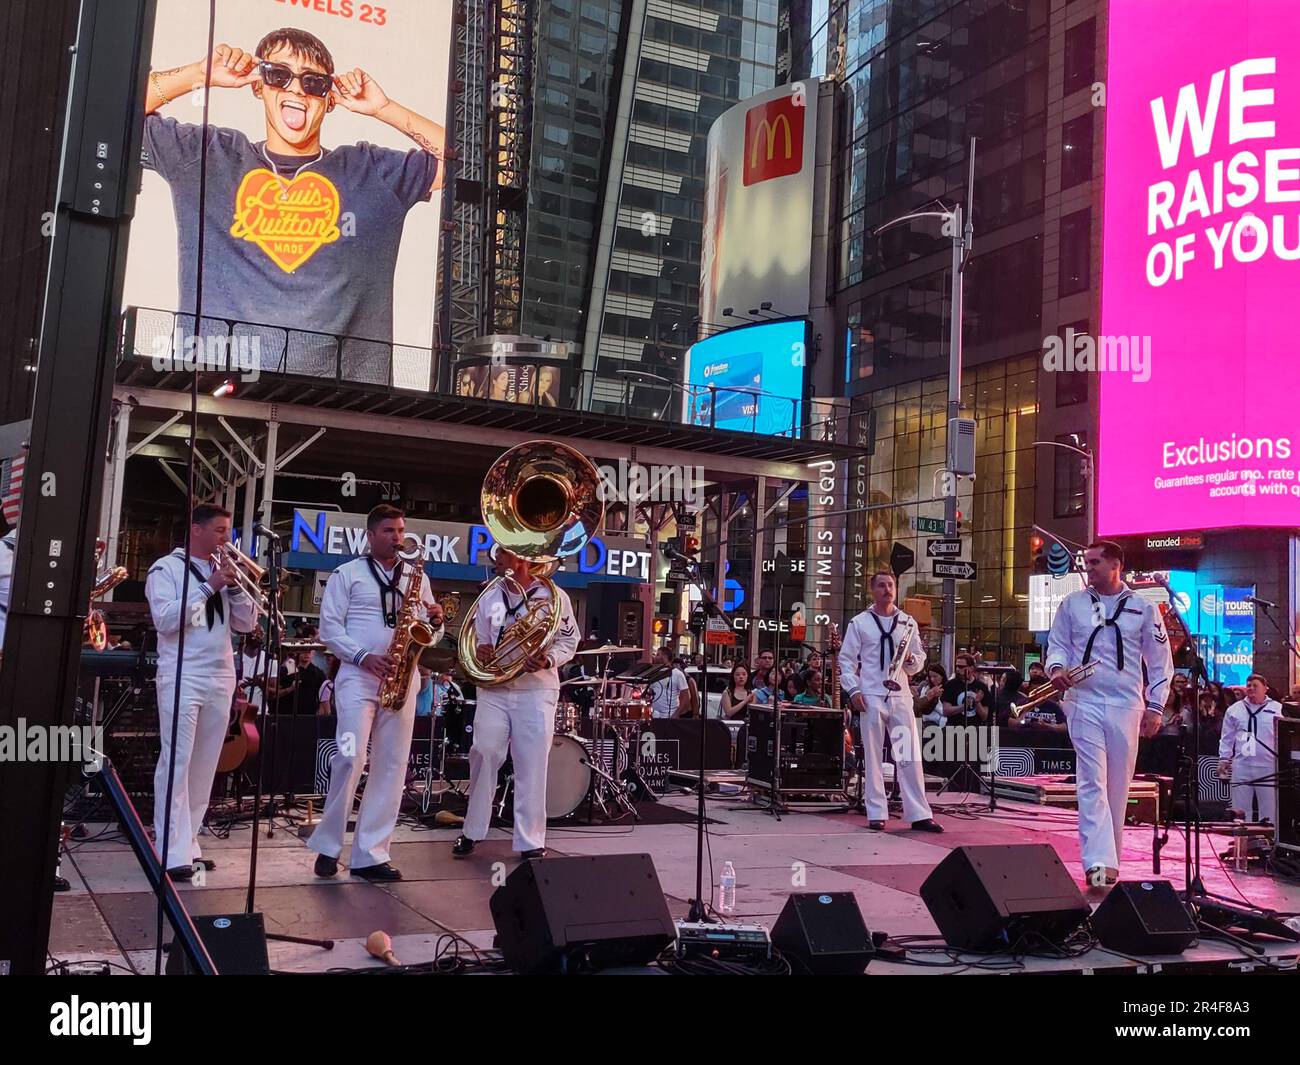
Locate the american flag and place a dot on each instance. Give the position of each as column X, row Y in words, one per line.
column 11, row 486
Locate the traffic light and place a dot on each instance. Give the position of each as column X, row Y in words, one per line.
column 1037, row 558
column 690, row 544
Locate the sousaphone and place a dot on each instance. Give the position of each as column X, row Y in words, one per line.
column 541, row 501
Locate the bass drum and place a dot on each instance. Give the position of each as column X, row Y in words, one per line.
column 568, row 777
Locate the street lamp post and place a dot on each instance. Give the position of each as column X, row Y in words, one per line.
column 1088, row 470
column 957, row 225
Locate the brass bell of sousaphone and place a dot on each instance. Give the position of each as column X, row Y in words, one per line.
column 541, row 501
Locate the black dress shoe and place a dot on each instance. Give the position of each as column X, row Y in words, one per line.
column 61, row 884
column 927, row 825
column 538, row 852
column 181, row 872
column 876, row 826
column 383, row 871
column 463, row 847
column 207, row 863
column 326, row 866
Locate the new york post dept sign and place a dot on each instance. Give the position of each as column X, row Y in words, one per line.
column 327, row 532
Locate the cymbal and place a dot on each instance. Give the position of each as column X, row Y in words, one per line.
column 581, row 682
column 611, row 649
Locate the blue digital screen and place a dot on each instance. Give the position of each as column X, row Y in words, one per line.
column 749, row 379
column 1238, row 611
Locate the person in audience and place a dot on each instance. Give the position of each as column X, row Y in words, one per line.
column 766, row 684
column 791, row 689
column 813, row 693
column 966, row 699
column 1011, row 692
column 737, row 698
column 1178, row 707
column 928, row 703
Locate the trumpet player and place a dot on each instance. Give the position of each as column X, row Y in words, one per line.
column 518, row 716
column 1123, row 697
column 359, row 614
column 869, row 665
column 214, row 608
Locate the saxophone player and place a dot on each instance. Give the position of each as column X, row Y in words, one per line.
column 359, row 615
column 518, row 716
column 879, row 692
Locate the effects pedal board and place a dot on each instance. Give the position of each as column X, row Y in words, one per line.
column 726, row 942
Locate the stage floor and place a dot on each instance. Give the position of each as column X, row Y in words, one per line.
column 110, row 913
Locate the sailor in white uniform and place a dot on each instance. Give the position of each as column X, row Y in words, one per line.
column 868, row 649
column 519, row 716
column 215, row 608
column 8, row 545
column 1124, row 698
column 1248, row 750
column 359, row 613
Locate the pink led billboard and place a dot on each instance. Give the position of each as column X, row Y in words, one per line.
column 1198, row 350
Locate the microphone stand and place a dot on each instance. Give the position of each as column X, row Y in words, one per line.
column 699, row 908
column 273, row 638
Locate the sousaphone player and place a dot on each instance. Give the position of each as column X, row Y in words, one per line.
column 539, row 502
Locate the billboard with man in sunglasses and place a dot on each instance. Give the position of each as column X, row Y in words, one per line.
column 312, row 189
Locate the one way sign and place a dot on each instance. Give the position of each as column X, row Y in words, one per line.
column 942, row 548
column 958, row 569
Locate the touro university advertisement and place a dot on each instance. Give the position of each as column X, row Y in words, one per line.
column 1201, row 261
column 322, row 182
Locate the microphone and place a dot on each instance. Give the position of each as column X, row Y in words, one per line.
column 262, row 530
column 1261, row 602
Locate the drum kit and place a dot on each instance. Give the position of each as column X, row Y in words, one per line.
column 616, row 716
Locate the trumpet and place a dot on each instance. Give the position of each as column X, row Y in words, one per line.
column 900, row 653
column 1048, row 690
column 249, row 578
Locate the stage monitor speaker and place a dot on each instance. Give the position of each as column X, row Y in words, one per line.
column 1287, row 743
column 823, row 934
column 236, row 943
column 993, row 898
column 573, row 914
column 1144, row 917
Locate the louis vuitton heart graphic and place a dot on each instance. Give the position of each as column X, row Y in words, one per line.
column 289, row 220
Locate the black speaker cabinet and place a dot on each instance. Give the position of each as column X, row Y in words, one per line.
column 236, row 943
column 1288, row 789
column 1144, row 917
column 568, row 914
column 823, row 934
column 990, row 898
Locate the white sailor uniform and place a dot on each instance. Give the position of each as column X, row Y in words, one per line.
column 358, row 616
column 1249, row 738
column 1124, row 635
column 865, row 655
column 518, row 717
column 8, row 545
column 207, row 674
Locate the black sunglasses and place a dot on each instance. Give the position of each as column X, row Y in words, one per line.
column 279, row 76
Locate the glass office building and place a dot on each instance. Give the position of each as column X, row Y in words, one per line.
column 918, row 79
column 625, row 92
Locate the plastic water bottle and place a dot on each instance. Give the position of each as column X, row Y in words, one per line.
column 727, row 889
